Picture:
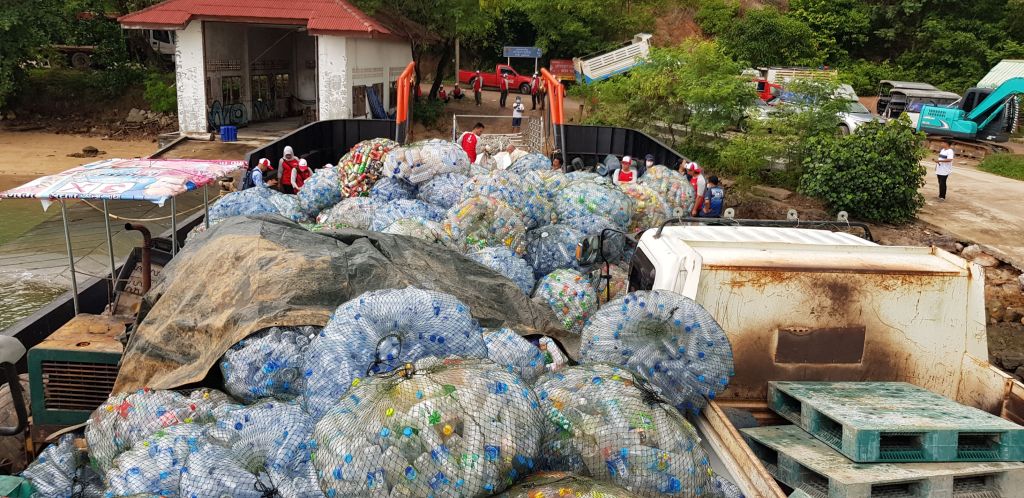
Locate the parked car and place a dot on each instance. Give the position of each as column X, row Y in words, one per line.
column 490, row 79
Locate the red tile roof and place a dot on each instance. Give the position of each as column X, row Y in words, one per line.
column 319, row 16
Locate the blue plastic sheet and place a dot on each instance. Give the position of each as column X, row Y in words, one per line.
column 507, row 263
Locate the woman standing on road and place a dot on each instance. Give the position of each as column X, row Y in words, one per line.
column 517, row 114
column 944, row 167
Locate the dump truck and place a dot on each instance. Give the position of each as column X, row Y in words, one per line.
column 598, row 67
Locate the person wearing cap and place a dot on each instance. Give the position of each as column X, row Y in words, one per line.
column 478, row 87
column 255, row 177
column 299, row 175
column 457, row 92
column 715, row 199
column 944, row 167
column 503, row 84
column 442, row 95
column 469, row 140
column 700, row 185
column 534, row 83
column 285, row 166
column 625, row 174
column 517, row 114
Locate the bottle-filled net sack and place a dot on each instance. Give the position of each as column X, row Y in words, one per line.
column 430, row 231
column 604, row 423
column 531, row 162
column 154, row 466
column 382, row 330
column 320, row 191
column 583, row 198
column 361, row 166
column 421, row 161
column 615, row 286
column 480, row 222
column 650, row 210
column 255, row 200
column 590, row 225
column 61, row 471
column 391, row 212
column 288, row 206
column 585, row 177
column 443, row 191
column 530, row 200
column 512, row 351
column 673, row 187
column 669, row 339
column 354, row 212
column 550, row 182
column 389, row 189
column 453, row 428
column 564, row 484
column 554, row 358
column 551, row 247
column 125, row 419
column 504, row 261
column 570, row 295
column 267, row 364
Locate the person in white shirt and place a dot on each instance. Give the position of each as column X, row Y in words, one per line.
column 700, row 186
column 517, row 114
column 625, row 174
column 944, row 167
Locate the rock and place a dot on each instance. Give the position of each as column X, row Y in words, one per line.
column 986, row 260
column 959, row 247
column 1012, row 361
column 135, row 116
column 995, row 315
column 1013, row 315
column 971, row 251
column 11, row 115
column 779, row 194
column 1010, row 289
column 90, row 151
column 1019, row 372
column 1020, row 282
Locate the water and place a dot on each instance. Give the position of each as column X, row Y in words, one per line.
column 20, row 297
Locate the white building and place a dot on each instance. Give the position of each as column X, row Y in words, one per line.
column 241, row 61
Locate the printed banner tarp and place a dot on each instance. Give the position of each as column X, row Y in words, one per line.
column 154, row 180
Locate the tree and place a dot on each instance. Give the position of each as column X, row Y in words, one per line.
column 21, row 37
column 840, row 26
column 766, row 37
column 715, row 16
column 874, row 175
column 575, row 28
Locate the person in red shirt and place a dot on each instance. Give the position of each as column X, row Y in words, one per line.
column 299, row 175
column 478, row 86
column 285, row 167
column 470, row 139
column 457, row 92
column 625, row 174
column 503, row 86
column 442, row 95
column 534, row 84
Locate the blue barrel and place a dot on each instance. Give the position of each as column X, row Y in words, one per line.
column 228, row 133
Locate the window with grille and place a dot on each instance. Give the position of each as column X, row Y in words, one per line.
column 282, row 86
column 261, row 88
column 231, row 89
column 358, row 101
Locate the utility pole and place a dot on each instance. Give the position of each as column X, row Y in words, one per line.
column 457, row 66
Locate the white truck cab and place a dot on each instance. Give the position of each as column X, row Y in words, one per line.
column 816, row 305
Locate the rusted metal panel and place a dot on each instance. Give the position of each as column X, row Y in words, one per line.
column 819, row 345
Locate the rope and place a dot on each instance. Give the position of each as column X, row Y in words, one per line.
column 145, row 220
column 265, row 490
column 377, row 354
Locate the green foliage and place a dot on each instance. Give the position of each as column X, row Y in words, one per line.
column 716, row 16
column 573, row 28
column 161, row 93
column 864, row 76
column 873, row 174
column 20, row 38
column 840, row 26
column 84, row 85
column 1008, row 165
column 428, row 112
column 767, row 37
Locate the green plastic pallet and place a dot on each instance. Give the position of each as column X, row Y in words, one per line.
column 814, row 470
column 895, row 422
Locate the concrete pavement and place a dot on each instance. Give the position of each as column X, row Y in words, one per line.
column 980, row 207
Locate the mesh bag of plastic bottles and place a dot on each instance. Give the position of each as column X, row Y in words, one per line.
column 614, row 287
column 480, row 222
column 447, row 428
column 125, row 419
column 389, row 189
column 551, row 247
column 320, row 191
column 591, row 225
column 564, row 484
column 381, row 330
column 673, row 187
column 550, row 182
column 154, row 466
column 361, row 166
column 391, row 212
column 504, row 261
column 443, row 191
column 254, row 200
column 420, row 228
column 288, row 206
column 669, row 339
column 650, row 210
column 267, row 364
column 583, row 198
column 554, row 358
column 512, row 351
column 584, row 177
column 61, row 471
column 355, row 212
column 570, row 295
column 531, row 162
column 421, row 161
column 606, row 424
column 531, row 200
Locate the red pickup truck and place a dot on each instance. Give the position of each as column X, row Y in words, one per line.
column 490, row 80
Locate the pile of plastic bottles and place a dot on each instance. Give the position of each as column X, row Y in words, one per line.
column 636, row 441
column 530, row 200
column 480, row 222
column 592, row 225
column 154, row 467
column 320, row 191
column 446, row 428
column 61, row 471
column 419, row 162
column 570, row 295
column 382, row 330
column 443, row 191
column 430, row 231
column 531, row 162
column 504, row 261
column 510, row 350
column 673, row 187
column 667, row 338
column 389, row 189
column 559, row 484
column 243, row 202
column 267, row 364
column 287, row 206
column 551, row 247
column 391, row 212
column 650, row 209
column 355, row 212
column 585, row 198
column 361, row 166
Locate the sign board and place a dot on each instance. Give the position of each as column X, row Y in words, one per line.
column 522, row 52
column 562, row 69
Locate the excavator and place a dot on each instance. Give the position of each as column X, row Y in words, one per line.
column 982, row 114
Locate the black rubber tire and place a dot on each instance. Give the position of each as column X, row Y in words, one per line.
column 80, row 60
column 844, row 130
column 524, row 89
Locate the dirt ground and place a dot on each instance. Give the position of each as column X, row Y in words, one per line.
column 35, row 153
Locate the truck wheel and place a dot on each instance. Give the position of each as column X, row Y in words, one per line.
column 524, row 89
column 844, row 130
column 80, row 60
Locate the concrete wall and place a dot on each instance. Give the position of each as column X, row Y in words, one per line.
column 191, row 83
column 305, row 68
column 377, row 61
column 333, row 78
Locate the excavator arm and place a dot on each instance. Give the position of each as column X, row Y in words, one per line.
column 996, row 101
